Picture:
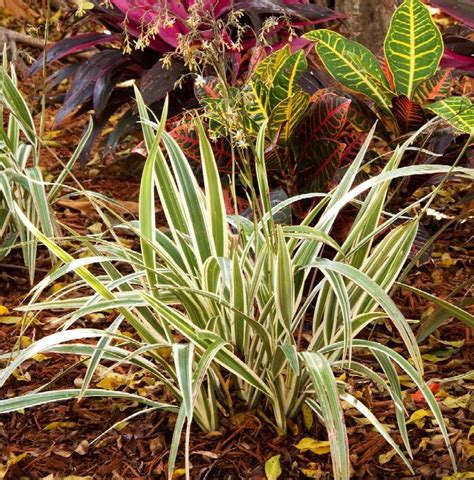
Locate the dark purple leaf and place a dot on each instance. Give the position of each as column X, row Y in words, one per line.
column 115, row 102
column 308, row 12
column 83, row 83
column 462, row 10
column 283, row 216
column 128, row 123
column 457, row 61
column 157, row 82
column 460, row 43
column 105, row 84
column 421, row 238
column 313, row 79
column 71, row 45
column 59, row 75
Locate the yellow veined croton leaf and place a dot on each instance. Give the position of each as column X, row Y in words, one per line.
column 458, row 111
column 413, row 46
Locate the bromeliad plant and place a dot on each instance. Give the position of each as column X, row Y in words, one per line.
column 21, row 177
column 219, row 304
column 404, row 85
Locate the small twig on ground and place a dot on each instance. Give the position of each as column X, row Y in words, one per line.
column 10, row 35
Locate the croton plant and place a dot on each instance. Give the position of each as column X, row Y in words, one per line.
column 407, row 80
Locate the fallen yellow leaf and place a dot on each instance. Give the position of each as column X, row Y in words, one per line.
column 459, row 476
column 4, row 310
column 75, row 477
column 424, row 442
column 468, row 449
column 14, row 459
column 273, row 468
column 457, row 402
column 112, row 381
column 180, row 472
column 446, row 260
column 10, row 320
column 419, row 417
column 319, row 447
column 54, row 425
column 386, row 457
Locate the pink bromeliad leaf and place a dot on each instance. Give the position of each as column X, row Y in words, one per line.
column 143, row 14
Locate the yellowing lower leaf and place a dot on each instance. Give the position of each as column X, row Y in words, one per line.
column 319, row 447
column 419, row 417
column 307, row 416
column 4, row 311
column 57, row 287
column 178, row 473
column 273, row 468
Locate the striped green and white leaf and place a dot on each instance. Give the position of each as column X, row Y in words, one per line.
column 413, row 46
column 458, row 111
column 353, row 65
column 327, row 403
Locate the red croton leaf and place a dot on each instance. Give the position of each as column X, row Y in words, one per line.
column 326, row 118
column 409, row 114
column 319, row 153
column 435, row 87
column 317, row 168
column 186, row 136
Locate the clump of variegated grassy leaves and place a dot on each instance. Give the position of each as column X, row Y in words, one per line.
column 239, row 292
